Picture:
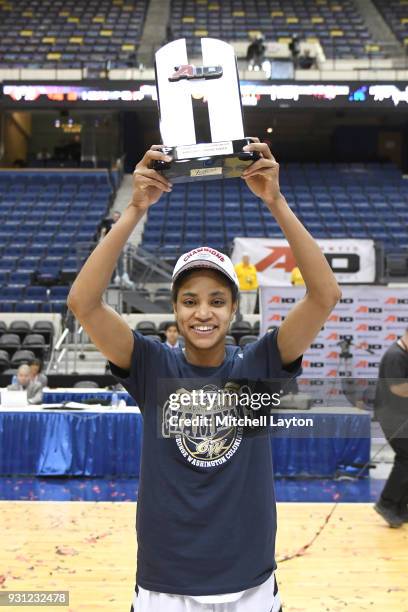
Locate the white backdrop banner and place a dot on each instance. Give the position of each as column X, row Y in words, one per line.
column 353, row 261
column 371, row 318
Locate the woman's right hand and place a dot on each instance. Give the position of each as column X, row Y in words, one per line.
column 148, row 184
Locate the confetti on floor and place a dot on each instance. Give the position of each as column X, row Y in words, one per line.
column 89, row 548
column 125, row 490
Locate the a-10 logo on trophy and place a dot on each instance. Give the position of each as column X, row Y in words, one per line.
column 216, row 80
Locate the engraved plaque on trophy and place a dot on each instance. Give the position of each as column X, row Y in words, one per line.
column 215, row 81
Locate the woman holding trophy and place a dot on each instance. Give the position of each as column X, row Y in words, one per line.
column 206, row 522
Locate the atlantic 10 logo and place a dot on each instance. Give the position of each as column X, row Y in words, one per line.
column 366, row 346
column 365, row 327
column 306, row 363
column 277, row 299
column 396, row 319
column 334, row 373
column 369, row 310
column 336, row 337
column 335, row 318
column 276, row 317
column 365, row 363
column 332, row 356
column 394, row 301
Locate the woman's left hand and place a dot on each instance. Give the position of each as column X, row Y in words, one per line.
column 262, row 176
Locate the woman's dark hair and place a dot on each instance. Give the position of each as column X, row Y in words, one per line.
column 36, row 362
column 184, row 275
column 171, row 324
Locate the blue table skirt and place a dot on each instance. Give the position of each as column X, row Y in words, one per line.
column 66, row 443
column 319, row 456
column 335, row 442
column 109, row 444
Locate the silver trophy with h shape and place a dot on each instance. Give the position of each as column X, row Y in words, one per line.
column 216, row 82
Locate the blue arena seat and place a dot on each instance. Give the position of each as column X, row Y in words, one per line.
column 19, row 279
column 395, row 14
column 8, row 298
column 36, row 236
column 333, row 200
column 47, row 39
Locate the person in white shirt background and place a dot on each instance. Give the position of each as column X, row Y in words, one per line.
column 24, row 382
column 172, row 335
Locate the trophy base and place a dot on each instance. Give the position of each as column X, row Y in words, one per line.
column 206, row 161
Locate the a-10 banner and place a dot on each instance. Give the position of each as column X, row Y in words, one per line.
column 353, row 261
column 365, row 322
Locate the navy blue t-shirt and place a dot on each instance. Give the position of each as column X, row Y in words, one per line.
column 206, row 515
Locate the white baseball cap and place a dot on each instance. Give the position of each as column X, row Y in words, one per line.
column 206, row 257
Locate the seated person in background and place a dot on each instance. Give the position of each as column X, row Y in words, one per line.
column 36, row 372
column 172, row 334
column 306, row 61
column 24, row 383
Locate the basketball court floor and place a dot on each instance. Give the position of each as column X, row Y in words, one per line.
column 334, row 552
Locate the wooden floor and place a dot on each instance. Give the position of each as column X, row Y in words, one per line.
column 357, row 563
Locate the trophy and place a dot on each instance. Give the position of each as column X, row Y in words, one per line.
column 217, row 82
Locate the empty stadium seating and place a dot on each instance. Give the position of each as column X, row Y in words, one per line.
column 19, row 342
column 337, row 24
column 44, row 216
column 395, row 13
column 70, row 34
column 332, row 200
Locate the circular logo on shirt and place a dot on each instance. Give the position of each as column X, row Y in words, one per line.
column 210, row 451
column 200, row 421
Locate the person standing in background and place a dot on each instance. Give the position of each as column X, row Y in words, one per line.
column 294, row 48
column 256, row 53
column 106, row 224
column 121, row 274
column 296, row 278
column 391, row 410
column 248, row 284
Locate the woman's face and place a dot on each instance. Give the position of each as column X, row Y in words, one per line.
column 204, row 309
column 34, row 369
